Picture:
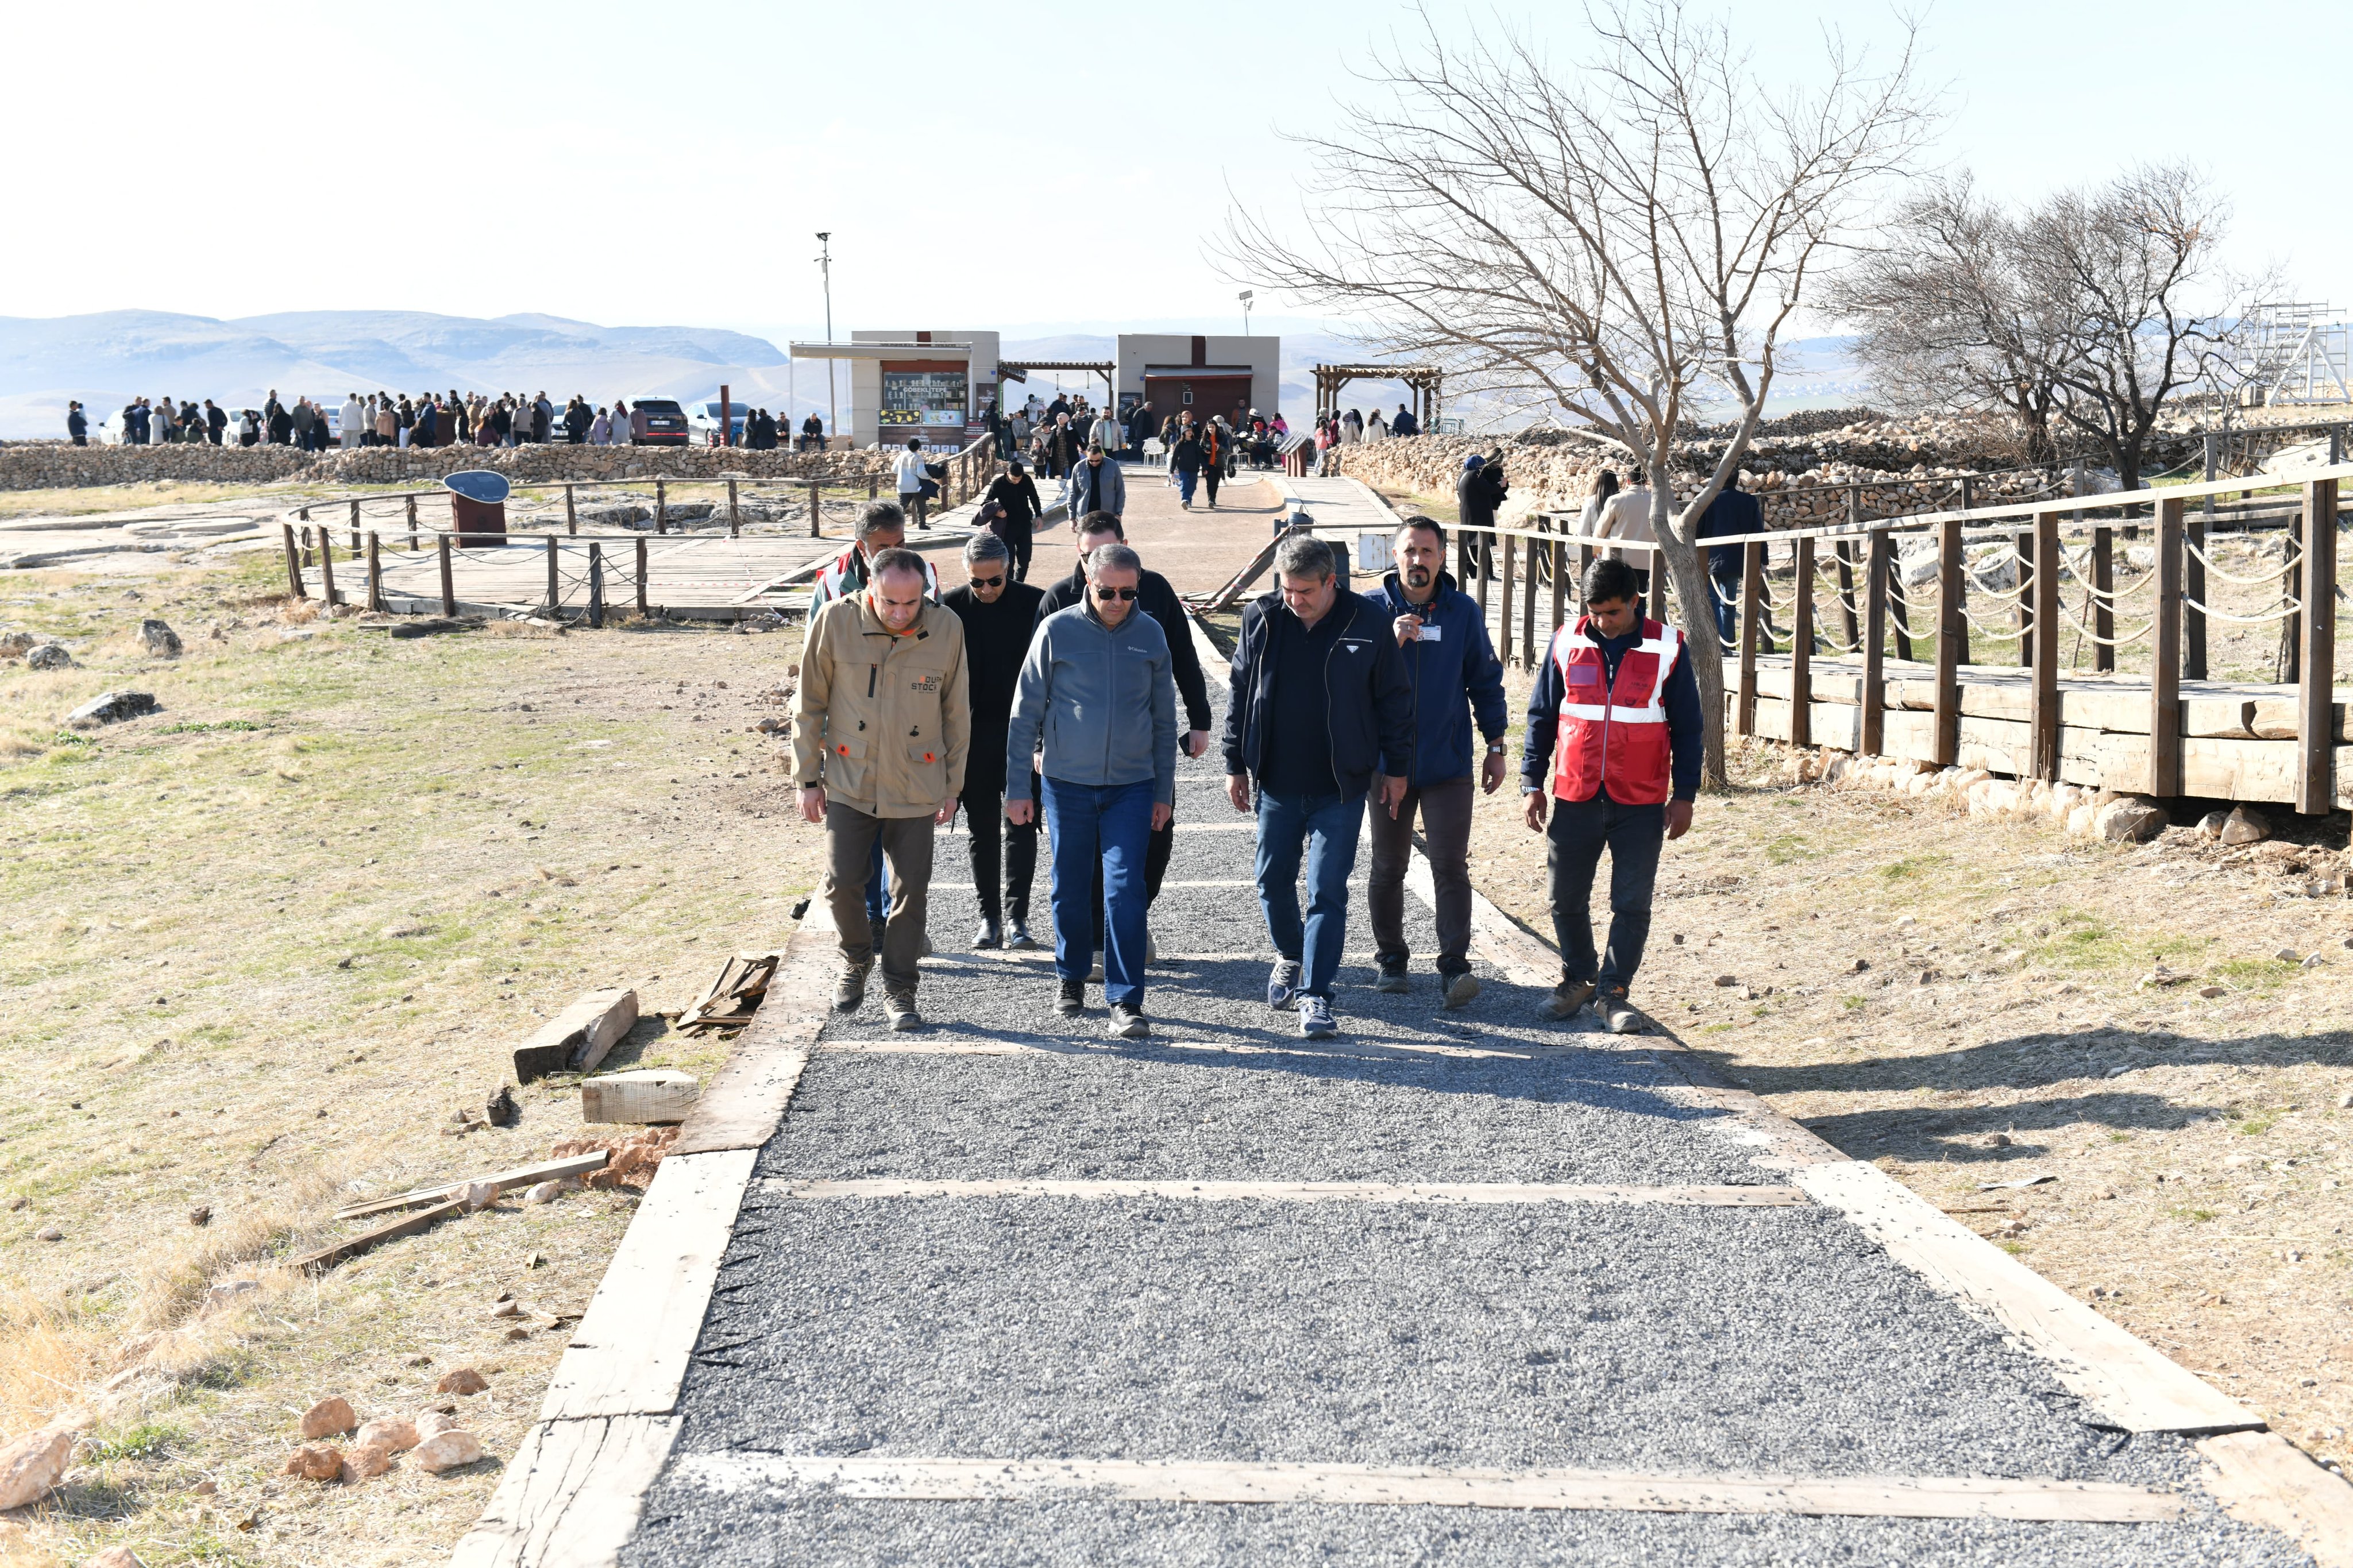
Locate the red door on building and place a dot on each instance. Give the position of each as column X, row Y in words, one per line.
column 1207, row 392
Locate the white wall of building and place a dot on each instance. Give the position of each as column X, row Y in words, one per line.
column 1262, row 353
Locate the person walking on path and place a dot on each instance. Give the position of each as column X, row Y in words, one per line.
column 1107, row 430
column 999, row 616
column 1478, row 496
column 1613, row 744
column 1732, row 513
column 909, row 468
column 215, row 421
column 1404, row 424
column 1017, row 494
column 1185, row 460
column 1457, row 679
column 1216, row 451
column 1321, row 708
column 1097, row 485
column 350, row 420
column 1062, row 446
column 1159, row 601
column 1628, row 517
column 882, row 731
column 77, row 424
column 1098, row 694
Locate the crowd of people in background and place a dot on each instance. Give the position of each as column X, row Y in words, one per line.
column 385, row 419
column 1336, row 430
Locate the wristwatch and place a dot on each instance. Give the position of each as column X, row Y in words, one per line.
column 1496, row 748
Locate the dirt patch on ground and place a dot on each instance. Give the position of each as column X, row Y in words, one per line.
column 260, row 949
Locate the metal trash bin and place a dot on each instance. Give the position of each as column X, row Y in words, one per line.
column 478, row 503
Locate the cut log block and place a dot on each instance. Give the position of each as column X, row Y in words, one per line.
column 655, row 1096
column 576, row 1039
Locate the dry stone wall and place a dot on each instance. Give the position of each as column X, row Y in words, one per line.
column 47, row 465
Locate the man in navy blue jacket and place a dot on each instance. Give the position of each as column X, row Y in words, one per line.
column 1614, row 744
column 1456, row 678
column 1321, row 708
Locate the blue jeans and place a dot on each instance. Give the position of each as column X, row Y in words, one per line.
column 878, row 889
column 1185, row 480
column 1328, row 825
column 1107, row 826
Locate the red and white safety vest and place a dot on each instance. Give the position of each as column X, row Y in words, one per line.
column 847, row 574
column 1614, row 736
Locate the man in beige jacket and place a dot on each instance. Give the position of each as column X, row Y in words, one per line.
column 881, row 727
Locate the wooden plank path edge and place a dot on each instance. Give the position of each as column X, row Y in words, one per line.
column 573, row 1493
column 1240, row 1481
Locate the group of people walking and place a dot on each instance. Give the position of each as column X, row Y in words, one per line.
column 381, row 419
column 1069, row 706
column 1335, row 430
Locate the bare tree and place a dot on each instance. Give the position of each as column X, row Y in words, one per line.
column 1616, row 245
column 1945, row 320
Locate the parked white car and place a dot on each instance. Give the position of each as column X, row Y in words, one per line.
column 702, row 422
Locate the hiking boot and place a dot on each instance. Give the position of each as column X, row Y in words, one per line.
column 1094, row 971
column 988, row 938
column 849, row 986
column 1127, row 1021
column 1461, row 988
column 899, row 1008
column 1316, row 1017
column 1017, row 938
column 1073, row 999
column 1617, row 1015
column 1282, row 984
column 1393, row 978
column 1568, row 997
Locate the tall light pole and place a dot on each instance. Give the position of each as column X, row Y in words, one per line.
column 1245, row 296
column 825, row 265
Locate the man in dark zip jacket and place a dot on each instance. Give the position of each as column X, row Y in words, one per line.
column 1321, row 706
column 1157, row 599
column 1456, row 678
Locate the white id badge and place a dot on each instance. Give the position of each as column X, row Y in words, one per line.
column 1432, row 633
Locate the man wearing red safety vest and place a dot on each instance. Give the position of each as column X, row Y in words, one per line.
column 1614, row 739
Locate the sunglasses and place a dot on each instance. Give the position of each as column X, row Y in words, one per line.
column 1115, row 593
column 986, row 582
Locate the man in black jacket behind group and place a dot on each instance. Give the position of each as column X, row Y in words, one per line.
column 1158, row 600
column 998, row 616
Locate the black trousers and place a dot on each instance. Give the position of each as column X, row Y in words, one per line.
column 1580, row 831
column 1211, row 473
column 1019, row 545
column 1155, row 868
column 1001, row 848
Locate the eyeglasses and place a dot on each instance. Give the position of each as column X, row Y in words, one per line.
column 986, row 582
column 1100, row 592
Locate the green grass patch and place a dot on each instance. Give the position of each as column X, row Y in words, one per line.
column 201, row 728
column 1789, row 847
column 2193, row 1217
column 1852, row 1003
column 147, row 1440
column 1910, row 866
column 2256, row 1126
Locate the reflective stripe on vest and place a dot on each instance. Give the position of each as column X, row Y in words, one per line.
column 1618, row 745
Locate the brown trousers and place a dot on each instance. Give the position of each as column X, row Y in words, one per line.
column 849, row 836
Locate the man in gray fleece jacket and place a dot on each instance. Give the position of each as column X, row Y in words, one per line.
column 1098, row 696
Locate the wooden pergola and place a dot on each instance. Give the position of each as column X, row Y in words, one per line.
column 1020, row 370
column 1424, row 380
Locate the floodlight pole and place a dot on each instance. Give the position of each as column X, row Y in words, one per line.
column 825, row 265
column 1245, row 296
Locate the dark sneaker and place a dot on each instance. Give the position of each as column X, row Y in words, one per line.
column 1094, row 972
column 987, row 938
column 1619, row 1017
column 1316, row 1017
column 1018, row 937
column 1393, row 978
column 1568, row 997
column 1073, row 999
column 1282, row 984
column 849, row 986
column 1127, row 1021
column 899, row 1007
column 1461, row 988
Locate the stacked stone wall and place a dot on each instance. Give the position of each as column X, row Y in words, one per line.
column 55, row 464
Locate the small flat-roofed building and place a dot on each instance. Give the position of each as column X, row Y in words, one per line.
column 1209, row 375
column 933, row 386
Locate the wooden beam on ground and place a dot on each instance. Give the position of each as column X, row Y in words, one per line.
column 505, row 1180
column 326, row 1257
column 1473, row 1192
column 2261, row 1479
column 1233, row 1481
column 651, row 1097
column 572, row 1495
column 578, row 1038
column 2317, row 668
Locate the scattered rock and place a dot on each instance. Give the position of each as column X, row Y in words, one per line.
column 462, row 1380
column 518, row 1333
column 49, row 656
column 114, row 1557
column 448, row 1450
column 2211, row 825
column 507, row 1310
column 431, row 1423
column 2311, row 961
column 389, row 1433
column 2244, row 825
column 15, row 645
column 203, row 1489
column 110, row 708
column 2128, row 820
column 418, row 1359
column 2214, row 990
column 31, row 1466
column 230, row 1290
column 160, row 639
column 1728, row 980
column 502, row 1108
column 201, row 1215
column 480, row 1194
column 546, row 1191
column 1997, row 1141
column 365, row 1460
column 329, row 1418
column 2161, row 976
column 49, row 1233
column 324, row 1463
column 19, row 1202
column 2288, row 955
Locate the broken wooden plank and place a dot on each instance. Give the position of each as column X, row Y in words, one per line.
column 2263, row 1479
column 572, row 1495
column 651, row 1097
column 505, row 1180
column 326, row 1257
column 576, row 1039
column 734, row 997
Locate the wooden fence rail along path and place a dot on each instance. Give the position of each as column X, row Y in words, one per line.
column 2125, row 641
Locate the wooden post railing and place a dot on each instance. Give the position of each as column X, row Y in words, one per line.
column 734, row 515
column 1504, row 616
column 1752, row 616
column 2045, row 709
column 2316, row 694
column 554, row 587
column 449, row 582
column 642, row 576
column 2165, row 655
column 661, row 507
column 1528, row 606
column 2193, row 587
column 571, row 513
column 2104, row 611
column 411, row 502
column 374, row 574
column 1801, row 646
column 293, row 563
column 327, row 568
column 595, row 585
column 1875, row 644
column 1952, row 641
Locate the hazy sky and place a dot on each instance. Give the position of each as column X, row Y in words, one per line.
column 627, row 165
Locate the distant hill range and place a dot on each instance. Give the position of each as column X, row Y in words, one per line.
column 108, row 358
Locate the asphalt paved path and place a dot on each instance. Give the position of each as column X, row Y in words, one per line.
column 1671, row 1341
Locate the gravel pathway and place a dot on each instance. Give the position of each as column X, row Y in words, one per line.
column 1687, row 1341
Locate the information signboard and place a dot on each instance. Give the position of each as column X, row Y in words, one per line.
column 924, row 397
